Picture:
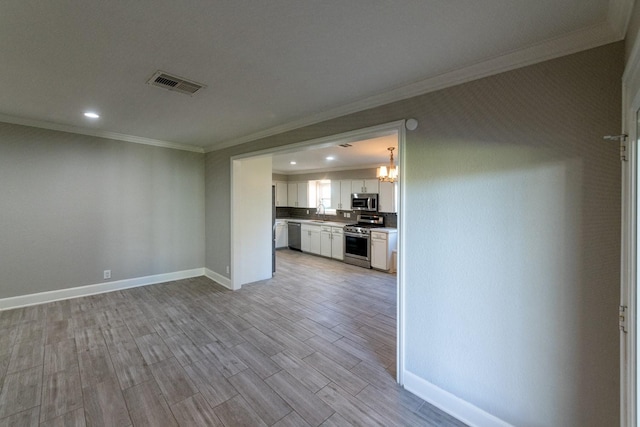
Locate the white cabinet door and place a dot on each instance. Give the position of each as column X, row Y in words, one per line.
column 310, row 238
column 282, row 194
column 387, row 197
column 379, row 253
column 337, row 243
column 357, row 186
column 345, row 195
column 335, row 194
column 303, row 195
column 325, row 242
column 341, row 194
column 371, row 185
column 314, row 240
column 281, row 235
column 364, row 186
column 305, row 239
column 298, row 195
column 292, row 194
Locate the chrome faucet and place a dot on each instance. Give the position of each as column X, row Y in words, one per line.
column 321, row 208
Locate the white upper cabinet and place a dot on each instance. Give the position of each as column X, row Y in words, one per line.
column 341, row 194
column 298, row 195
column 281, row 194
column 364, row 186
column 345, row 195
column 303, row 195
column 292, row 194
column 335, row 194
column 387, row 197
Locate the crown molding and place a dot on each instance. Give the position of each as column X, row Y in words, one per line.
column 99, row 133
column 587, row 38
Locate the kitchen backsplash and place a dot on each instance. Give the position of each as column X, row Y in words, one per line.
column 390, row 219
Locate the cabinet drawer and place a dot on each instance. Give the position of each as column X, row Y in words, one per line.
column 337, row 230
column 378, row 235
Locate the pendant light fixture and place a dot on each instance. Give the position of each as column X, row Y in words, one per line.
column 389, row 174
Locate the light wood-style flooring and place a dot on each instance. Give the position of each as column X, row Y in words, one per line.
column 315, row 345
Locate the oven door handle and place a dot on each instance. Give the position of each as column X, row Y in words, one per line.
column 363, row 236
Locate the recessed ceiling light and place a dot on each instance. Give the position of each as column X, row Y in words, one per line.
column 91, row 115
column 292, row 163
column 330, row 158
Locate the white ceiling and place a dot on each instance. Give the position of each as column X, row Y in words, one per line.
column 268, row 66
column 359, row 155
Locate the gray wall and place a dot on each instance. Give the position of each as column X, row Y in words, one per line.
column 512, row 243
column 519, row 280
column 73, row 206
column 632, row 30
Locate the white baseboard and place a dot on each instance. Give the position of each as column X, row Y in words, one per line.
column 99, row 288
column 451, row 404
column 218, row 278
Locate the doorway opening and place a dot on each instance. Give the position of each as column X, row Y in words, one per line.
column 249, row 245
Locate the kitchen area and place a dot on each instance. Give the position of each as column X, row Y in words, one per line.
column 347, row 214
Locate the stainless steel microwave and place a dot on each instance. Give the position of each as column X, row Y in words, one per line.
column 364, row 202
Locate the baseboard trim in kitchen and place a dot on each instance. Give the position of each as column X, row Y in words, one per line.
column 218, row 278
column 99, row 288
column 449, row 403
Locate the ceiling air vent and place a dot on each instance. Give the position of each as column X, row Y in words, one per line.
column 177, row 84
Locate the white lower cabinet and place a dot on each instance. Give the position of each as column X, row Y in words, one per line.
column 325, row 241
column 281, row 234
column 337, row 243
column 383, row 244
column 332, row 242
column 310, row 238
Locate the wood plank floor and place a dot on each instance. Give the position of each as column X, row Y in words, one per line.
column 314, row 346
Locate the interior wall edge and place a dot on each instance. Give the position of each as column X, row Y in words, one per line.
column 218, row 278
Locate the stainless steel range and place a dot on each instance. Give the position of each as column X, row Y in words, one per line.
column 357, row 240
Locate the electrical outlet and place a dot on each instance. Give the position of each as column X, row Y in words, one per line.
column 107, row 274
column 307, row 211
column 227, row 269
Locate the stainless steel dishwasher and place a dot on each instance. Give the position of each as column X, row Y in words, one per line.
column 294, row 231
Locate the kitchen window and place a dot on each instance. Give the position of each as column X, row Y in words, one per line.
column 323, row 196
